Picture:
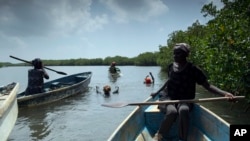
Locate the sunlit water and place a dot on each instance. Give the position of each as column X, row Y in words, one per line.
column 82, row 118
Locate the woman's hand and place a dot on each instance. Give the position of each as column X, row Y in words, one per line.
column 230, row 96
column 153, row 95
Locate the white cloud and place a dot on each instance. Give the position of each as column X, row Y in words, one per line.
column 85, row 28
column 9, row 42
column 48, row 17
column 76, row 17
column 137, row 10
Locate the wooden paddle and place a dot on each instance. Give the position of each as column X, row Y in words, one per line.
column 59, row 72
column 123, row 104
column 152, row 77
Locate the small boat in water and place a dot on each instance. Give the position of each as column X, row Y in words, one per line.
column 8, row 109
column 144, row 121
column 116, row 74
column 56, row 90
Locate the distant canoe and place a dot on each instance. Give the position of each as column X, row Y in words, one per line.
column 57, row 89
column 144, row 121
column 117, row 74
column 8, row 109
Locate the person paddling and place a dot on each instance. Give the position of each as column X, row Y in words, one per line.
column 35, row 78
column 181, row 85
column 112, row 68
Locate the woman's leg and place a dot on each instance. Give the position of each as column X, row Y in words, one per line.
column 170, row 117
column 183, row 110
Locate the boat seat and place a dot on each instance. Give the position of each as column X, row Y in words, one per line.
column 153, row 119
column 79, row 78
column 55, row 85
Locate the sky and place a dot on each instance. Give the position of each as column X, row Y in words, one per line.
column 73, row 29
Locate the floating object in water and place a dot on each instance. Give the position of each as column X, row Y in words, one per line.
column 116, row 91
column 147, row 80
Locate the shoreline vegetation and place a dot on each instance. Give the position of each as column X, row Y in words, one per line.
column 220, row 48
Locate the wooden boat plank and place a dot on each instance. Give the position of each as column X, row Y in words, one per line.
column 129, row 123
column 7, row 99
column 213, row 126
column 56, row 90
column 8, row 112
column 144, row 121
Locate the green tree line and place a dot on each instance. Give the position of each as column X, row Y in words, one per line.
column 143, row 59
column 221, row 47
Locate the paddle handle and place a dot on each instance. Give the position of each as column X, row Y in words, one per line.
column 63, row 73
column 152, row 77
column 20, row 59
column 187, row 101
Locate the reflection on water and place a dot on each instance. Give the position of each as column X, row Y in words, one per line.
column 42, row 122
column 37, row 124
column 113, row 77
column 234, row 113
column 82, row 118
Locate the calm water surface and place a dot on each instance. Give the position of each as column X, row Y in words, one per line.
column 82, row 118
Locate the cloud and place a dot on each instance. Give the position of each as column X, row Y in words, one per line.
column 48, row 17
column 9, row 42
column 137, row 10
column 31, row 18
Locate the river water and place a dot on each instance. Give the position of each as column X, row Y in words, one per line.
column 82, row 118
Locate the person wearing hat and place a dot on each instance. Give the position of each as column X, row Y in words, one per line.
column 181, row 84
column 35, row 78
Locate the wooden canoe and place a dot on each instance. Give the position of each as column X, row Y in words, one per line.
column 117, row 74
column 144, row 121
column 8, row 109
column 56, row 90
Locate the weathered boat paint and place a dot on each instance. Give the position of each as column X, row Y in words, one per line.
column 8, row 109
column 57, row 89
column 144, row 121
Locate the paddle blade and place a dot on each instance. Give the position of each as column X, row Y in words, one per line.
column 63, row 73
column 115, row 105
column 59, row 72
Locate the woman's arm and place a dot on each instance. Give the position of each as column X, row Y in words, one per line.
column 216, row 90
column 162, row 88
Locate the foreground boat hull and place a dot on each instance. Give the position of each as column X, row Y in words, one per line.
column 144, row 121
column 57, row 89
column 8, row 112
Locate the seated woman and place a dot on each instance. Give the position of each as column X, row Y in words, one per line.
column 35, row 78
